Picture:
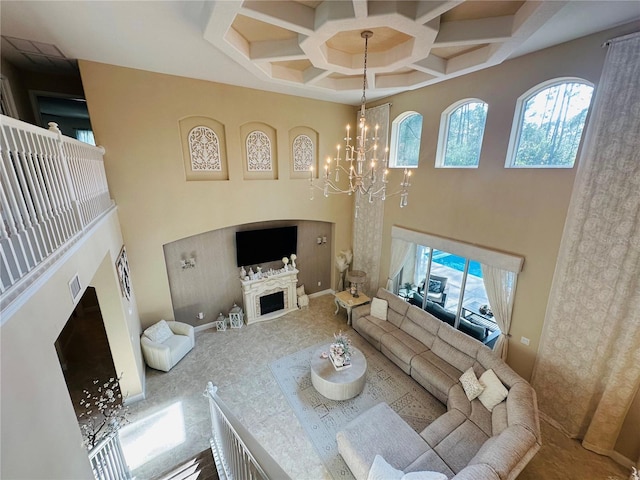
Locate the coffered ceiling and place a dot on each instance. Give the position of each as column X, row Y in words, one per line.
column 303, row 47
column 413, row 44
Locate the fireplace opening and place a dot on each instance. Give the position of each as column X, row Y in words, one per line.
column 271, row 303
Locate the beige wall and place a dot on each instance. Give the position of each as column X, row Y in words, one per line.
column 521, row 211
column 135, row 115
column 40, row 434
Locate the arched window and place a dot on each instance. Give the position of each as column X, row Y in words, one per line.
column 204, row 149
column 406, row 130
column 461, row 132
column 548, row 124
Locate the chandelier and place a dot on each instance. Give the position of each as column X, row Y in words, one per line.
column 365, row 172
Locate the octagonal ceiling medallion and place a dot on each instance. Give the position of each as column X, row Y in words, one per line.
column 416, row 43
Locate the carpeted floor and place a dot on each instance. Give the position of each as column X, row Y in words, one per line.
column 322, row 418
column 239, row 360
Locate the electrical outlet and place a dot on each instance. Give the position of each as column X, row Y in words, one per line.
column 319, row 284
column 524, row 340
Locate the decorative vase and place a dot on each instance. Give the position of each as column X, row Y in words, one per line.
column 243, row 273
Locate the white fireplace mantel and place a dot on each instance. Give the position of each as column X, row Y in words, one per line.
column 252, row 290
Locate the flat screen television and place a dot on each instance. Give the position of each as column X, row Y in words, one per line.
column 254, row 247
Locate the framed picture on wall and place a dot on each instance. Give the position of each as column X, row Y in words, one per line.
column 122, row 266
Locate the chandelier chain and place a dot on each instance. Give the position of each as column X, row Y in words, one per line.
column 365, row 35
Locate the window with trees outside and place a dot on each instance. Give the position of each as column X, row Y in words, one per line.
column 548, row 125
column 406, row 131
column 461, row 132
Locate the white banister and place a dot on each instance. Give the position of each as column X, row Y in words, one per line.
column 108, row 461
column 52, row 188
column 237, row 454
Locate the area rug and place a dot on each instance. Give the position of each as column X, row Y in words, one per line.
column 322, row 418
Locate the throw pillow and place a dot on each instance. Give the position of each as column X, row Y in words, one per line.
column 379, row 308
column 494, row 391
column 159, row 332
column 424, row 476
column 435, row 286
column 381, row 470
column 472, row 387
column 300, row 291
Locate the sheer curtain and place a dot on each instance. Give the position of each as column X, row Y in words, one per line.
column 400, row 251
column 367, row 226
column 588, row 366
column 501, row 288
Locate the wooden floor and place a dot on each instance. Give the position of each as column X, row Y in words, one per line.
column 200, row 467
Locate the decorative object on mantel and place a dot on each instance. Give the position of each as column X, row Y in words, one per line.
column 236, row 317
column 372, row 182
column 243, row 273
column 357, row 278
column 285, row 261
column 343, row 260
column 293, row 260
column 340, row 351
column 221, row 323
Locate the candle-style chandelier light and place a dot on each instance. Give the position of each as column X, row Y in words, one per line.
column 366, row 173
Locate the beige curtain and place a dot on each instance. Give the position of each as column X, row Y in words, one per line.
column 588, row 364
column 367, row 226
column 501, row 289
column 400, row 251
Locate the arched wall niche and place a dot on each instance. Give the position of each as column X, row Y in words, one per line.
column 213, row 284
column 204, row 149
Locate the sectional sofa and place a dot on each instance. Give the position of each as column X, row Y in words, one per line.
column 469, row 441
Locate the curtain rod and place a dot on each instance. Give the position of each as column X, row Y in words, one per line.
column 620, row 39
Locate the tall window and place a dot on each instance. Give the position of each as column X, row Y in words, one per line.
column 461, row 132
column 548, row 125
column 406, row 131
column 85, row 136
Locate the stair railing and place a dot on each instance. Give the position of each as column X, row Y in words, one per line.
column 237, row 454
column 107, row 459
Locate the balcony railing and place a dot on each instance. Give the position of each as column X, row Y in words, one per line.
column 236, row 452
column 108, row 461
column 52, row 188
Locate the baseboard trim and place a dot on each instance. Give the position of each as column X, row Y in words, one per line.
column 321, row 293
column 204, row 326
column 136, row 398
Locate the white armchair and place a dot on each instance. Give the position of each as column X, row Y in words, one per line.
column 166, row 343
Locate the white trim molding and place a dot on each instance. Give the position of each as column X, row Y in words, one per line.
column 487, row 256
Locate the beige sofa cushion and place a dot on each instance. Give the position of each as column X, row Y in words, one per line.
column 400, row 348
column 421, row 325
column 397, row 307
column 431, row 461
column 456, row 348
column 507, row 450
column 372, row 328
column 378, row 431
